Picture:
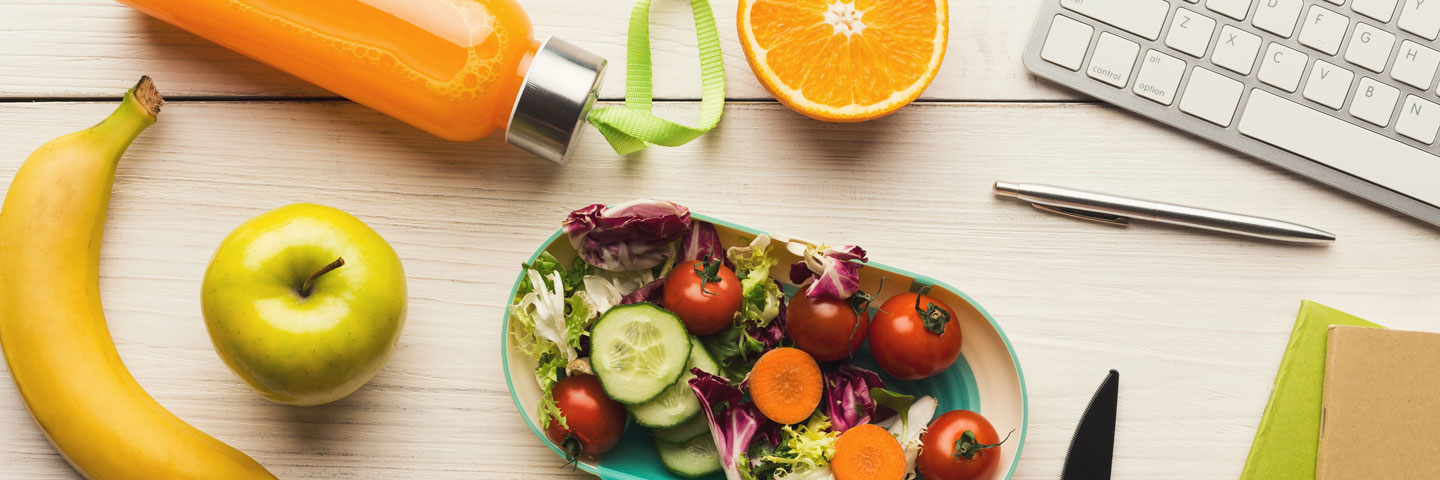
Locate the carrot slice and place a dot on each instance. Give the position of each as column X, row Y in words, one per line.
column 868, row 452
column 785, row 385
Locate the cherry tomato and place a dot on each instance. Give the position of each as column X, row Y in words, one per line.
column 959, row 445
column 826, row 328
column 705, row 295
column 595, row 421
column 914, row 336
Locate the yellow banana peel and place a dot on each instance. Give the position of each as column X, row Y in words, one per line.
column 53, row 330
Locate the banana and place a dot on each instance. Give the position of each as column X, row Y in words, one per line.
column 53, row 331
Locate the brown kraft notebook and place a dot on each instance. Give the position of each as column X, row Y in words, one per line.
column 1380, row 414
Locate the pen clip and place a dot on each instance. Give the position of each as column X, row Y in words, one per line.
column 1084, row 215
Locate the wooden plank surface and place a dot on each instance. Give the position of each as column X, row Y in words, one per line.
column 1195, row 322
column 89, row 48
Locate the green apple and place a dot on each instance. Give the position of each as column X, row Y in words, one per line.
column 305, row 303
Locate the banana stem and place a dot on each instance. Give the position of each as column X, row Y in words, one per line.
column 309, row 286
column 147, row 96
column 136, row 112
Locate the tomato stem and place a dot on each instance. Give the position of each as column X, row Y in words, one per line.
column 860, row 304
column 708, row 271
column 935, row 318
column 860, row 301
column 967, row 446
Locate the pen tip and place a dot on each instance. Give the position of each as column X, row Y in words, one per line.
column 1314, row 235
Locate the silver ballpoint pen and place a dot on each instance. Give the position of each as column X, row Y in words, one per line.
column 1118, row 210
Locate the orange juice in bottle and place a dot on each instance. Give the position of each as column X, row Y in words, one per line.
column 458, row 69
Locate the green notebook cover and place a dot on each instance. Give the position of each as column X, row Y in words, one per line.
column 1289, row 433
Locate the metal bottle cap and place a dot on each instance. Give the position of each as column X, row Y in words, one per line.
column 559, row 90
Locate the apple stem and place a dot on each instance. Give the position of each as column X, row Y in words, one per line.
column 309, row 285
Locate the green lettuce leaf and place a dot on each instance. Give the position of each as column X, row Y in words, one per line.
column 734, row 349
column 756, row 330
column 548, row 321
column 760, row 294
column 549, row 362
column 805, row 448
column 760, row 300
column 578, row 318
column 545, row 264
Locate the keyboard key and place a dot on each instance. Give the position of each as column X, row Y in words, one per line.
column 1278, row 16
column 1381, row 10
column 1421, row 17
column 1236, row 50
column 1140, row 17
column 1370, row 47
column 1066, row 43
column 1374, row 102
column 1324, row 29
column 1190, row 32
column 1419, row 119
column 1282, row 67
column 1113, row 59
column 1415, row 65
column 1328, row 84
column 1235, row 9
column 1159, row 77
column 1211, row 96
column 1341, row 145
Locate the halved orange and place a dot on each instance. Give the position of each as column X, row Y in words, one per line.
column 844, row 60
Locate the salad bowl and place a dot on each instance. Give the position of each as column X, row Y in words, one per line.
column 986, row 378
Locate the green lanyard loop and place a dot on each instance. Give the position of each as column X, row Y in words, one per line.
column 633, row 127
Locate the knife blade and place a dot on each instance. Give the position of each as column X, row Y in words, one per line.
column 1093, row 446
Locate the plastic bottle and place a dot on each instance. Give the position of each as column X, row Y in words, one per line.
column 454, row 68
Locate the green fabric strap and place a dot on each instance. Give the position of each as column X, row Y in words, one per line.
column 632, row 127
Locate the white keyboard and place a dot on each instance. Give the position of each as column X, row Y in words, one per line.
column 1343, row 91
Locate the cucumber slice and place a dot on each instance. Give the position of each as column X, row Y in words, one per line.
column 637, row 351
column 695, row 458
column 694, row 427
column 678, row 403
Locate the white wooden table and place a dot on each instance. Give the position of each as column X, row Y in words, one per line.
column 1195, row 322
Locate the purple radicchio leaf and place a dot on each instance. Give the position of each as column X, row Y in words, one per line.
column 847, row 396
column 799, row 273
column 702, row 242
column 734, row 423
column 830, row 273
column 634, row 235
column 653, row 292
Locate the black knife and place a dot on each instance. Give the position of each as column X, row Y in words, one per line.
column 1093, row 445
